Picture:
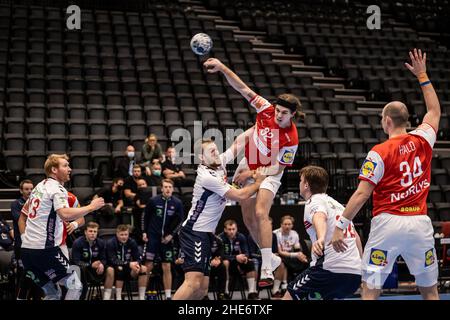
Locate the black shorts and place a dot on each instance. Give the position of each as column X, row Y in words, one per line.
column 122, row 273
column 316, row 283
column 244, row 267
column 195, row 249
column 45, row 264
column 155, row 248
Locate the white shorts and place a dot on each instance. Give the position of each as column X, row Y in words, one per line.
column 408, row 236
column 271, row 183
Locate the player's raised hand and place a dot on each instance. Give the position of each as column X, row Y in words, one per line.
column 213, row 65
column 418, row 61
column 338, row 240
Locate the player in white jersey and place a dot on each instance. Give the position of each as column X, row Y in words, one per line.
column 41, row 227
column 211, row 192
column 331, row 275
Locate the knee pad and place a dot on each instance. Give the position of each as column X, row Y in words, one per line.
column 427, row 279
column 52, row 291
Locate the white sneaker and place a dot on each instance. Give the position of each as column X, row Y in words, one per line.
column 266, row 278
column 275, row 261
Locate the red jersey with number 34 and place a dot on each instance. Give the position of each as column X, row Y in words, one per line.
column 270, row 144
column 400, row 169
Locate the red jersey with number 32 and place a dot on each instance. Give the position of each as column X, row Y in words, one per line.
column 270, row 144
column 400, row 169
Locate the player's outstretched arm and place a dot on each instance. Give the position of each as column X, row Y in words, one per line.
column 68, row 214
column 238, row 144
column 214, row 65
column 357, row 200
column 248, row 191
column 419, row 69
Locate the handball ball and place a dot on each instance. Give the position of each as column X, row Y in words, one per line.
column 201, row 44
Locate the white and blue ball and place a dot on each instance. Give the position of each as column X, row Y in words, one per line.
column 201, row 44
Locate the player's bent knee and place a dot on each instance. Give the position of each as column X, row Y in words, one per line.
column 427, row 279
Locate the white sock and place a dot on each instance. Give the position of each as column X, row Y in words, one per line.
column 168, row 293
column 251, row 285
column 226, row 287
column 107, row 295
column 283, row 285
column 266, row 255
column 276, row 286
column 142, row 293
column 118, row 293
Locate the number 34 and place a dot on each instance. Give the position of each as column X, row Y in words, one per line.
column 407, row 174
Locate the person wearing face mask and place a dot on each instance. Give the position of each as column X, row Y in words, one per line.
column 173, row 171
column 112, row 196
column 156, row 174
column 124, row 166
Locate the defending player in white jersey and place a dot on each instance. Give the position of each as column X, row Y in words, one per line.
column 398, row 172
column 331, row 275
column 41, row 226
column 273, row 145
column 211, row 192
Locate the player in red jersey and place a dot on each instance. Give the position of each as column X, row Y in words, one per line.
column 70, row 227
column 398, row 172
column 272, row 144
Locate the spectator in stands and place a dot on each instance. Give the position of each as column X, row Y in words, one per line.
column 124, row 262
column 124, row 166
column 141, row 199
column 163, row 216
column 89, row 253
column 113, row 197
column 130, row 185
column 24, row 284
column 151, row 150
column 174, row 171
column 155, row 178
column 6, row 236
column 237, row 257
column 289, row 249
column 218, row 269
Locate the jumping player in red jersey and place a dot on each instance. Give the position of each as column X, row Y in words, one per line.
column 272, row 144
column 398, row 172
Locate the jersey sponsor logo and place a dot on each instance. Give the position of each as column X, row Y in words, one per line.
column 368, row 168
column 288, row 156
column 378, row 257
column 414, row 189
column 410, row 209
column 429, row 258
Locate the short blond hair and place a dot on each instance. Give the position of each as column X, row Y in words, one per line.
column 53, row 162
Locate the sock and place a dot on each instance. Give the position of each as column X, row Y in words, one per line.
column 276, row 286
column 107, row 295
column 283, row 285
column 142, row 293
column 168, row 293
column 266, row 255
column 251, row 285
column 118, row 293
column 226, row 287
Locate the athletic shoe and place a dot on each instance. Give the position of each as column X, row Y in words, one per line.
column 277, row 295
column 253, row 296
column 266, row 279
